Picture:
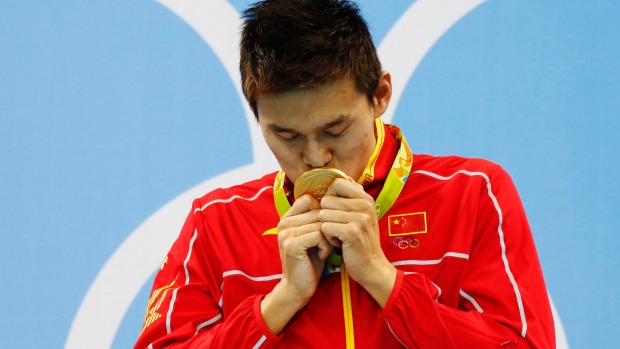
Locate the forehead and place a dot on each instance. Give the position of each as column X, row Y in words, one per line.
column 321, row 105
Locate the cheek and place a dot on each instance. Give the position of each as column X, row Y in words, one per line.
column 279, row 151
column 366, row 144
column 355, row 151
column 284, row 155
column 361, row 150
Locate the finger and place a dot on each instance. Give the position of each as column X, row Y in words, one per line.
column 340, row 226
column 304, row 211
column 292, row 231
column 299, row 220
column 304, row 203
column 325, row 248
column 362, row 205
column 298, row 246
column 345, row 188
column 337, row 215
column 335, row 233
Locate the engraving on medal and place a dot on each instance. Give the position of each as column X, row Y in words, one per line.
column 316, row 182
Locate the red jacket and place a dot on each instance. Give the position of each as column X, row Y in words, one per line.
column 469, row 275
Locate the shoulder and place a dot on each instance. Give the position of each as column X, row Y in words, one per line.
column 251, row 191
column 451, row 165
column 460, row 177
column 459, row 172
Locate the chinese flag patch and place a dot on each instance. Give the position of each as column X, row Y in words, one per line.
column 407, row 224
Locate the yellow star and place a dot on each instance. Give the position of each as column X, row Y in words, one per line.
column 396, row 222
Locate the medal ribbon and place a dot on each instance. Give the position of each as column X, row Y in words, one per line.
column 369, row 172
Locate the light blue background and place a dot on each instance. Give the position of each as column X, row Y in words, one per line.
column 111, row 109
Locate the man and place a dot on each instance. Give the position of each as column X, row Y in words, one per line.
column 436, row 251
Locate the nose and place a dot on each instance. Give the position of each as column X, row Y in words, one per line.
column 316, row 155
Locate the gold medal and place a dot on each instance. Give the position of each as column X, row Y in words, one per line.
column 315, row 182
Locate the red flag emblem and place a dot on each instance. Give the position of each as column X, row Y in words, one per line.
column 407, row 224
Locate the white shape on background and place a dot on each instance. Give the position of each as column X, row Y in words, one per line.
column 412, row 37
column 130, row 267
column 218, row 24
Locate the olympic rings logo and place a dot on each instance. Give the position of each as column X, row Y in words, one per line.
column 406, row 242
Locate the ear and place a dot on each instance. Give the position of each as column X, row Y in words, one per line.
column 383, row 94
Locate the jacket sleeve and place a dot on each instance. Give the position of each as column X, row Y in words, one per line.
column 183, row 309
column 503, row 299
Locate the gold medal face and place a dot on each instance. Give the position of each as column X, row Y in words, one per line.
column 315, row 182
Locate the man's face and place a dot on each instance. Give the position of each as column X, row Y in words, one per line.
column 332, row 125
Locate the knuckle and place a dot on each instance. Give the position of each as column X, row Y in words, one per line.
column 369, row 206
column 286, row 244
column 284, row 234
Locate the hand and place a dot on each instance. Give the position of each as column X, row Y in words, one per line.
column 303, row 250
column 349, row 220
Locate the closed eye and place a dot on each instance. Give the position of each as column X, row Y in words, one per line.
column 283, row 133
column 287, row 136
column 335, row 132
column 338, row 127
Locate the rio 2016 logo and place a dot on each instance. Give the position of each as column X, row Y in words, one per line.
column 217, row 23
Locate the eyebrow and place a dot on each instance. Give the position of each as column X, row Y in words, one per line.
column 338, row 121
